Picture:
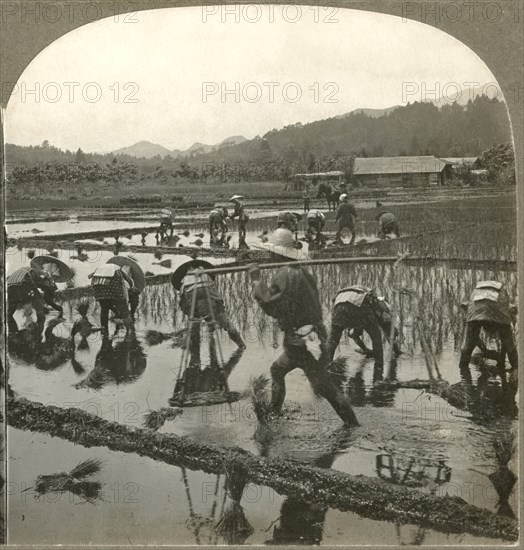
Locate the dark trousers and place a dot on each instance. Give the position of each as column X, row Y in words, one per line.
column 347, row 316
column 297, row 356
column 315, row 227
column 471, row 338
column 306, row 204
column 118, row 307
column 242, row 229
column 222, row 319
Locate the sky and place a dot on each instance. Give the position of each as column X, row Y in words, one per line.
column 201, row 74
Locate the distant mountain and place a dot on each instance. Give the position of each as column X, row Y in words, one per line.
column 146, row 149
column 233, row 140
column 373, row 113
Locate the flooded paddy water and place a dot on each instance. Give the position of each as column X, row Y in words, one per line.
column 408, row 436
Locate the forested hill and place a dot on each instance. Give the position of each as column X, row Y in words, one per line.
column 415, row 129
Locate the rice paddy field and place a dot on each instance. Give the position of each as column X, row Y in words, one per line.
column 439, row 443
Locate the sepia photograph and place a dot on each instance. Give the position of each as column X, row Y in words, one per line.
column 261, row 273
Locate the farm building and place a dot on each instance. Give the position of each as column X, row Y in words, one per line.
column 400, row 171
column 472, row 162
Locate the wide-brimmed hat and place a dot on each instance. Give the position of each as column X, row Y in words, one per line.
column 181, row 271
column 282, row 242
column 344, row 197
column 57, row 269
column 135, row 271
column 236, row 198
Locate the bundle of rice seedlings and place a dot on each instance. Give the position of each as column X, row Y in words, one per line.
column 155, row 337
column 154, row 420
column 158, row 255
column 233, row 525
column 73, row 481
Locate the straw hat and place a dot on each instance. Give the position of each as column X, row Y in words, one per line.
column 236, row 198
column 344, row 197
column 181, row 271
column 58, row 270
column 136, row 273
column 281, row 242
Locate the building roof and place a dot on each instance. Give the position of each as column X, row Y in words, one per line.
column 398, row 165
column 333, row 173
column 460, row 160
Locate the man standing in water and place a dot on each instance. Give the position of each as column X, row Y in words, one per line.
column 110, row 287
column 241, row 214
column 292, row 298
column 345, row 218
column 208, row 303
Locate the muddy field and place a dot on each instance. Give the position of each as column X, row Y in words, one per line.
column 423, row 439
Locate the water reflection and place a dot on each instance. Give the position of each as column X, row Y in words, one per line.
column 50, row 354
column 302, row 522
column 121, row 362
column 200, row 385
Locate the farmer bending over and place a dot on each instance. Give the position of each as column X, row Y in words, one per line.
column 241, row 214
column 387, row 225
column 489, row 308
column 292, row 298
column 289, row 221
column 23, row 287
column 315, row 222
column 209, row 305
column 345, row 219
column 360, row 309
column 217, row 224
column 110, row 287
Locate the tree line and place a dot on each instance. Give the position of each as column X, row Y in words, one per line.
column 331, row 144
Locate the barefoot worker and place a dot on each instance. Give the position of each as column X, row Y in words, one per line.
column 489, row 308
column 240, row 213
column 387, row 225
column 345, row 219
column 110, row 287
column 217, row 224
column 315, row 223
column 131, row 268
column 35, row 285
column 292, row 298
column 167, row 215
column 209, row 305
column 359, row 308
